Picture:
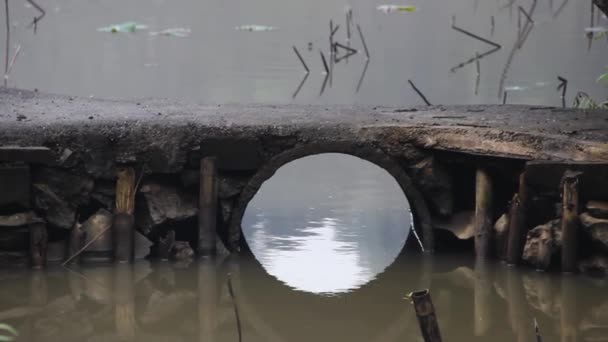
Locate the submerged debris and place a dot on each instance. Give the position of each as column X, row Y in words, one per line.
column 256, row 28
column 596, row 32
column 179, row 32
column 386, row 9
column 129, row 26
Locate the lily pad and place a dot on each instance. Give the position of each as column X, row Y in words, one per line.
column 129, row 26
column 386, row 9
column 256, row 28
column 173, row 32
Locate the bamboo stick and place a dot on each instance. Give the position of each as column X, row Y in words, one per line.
column 483, row 213
column 570, row 209
column 425, row 311
column 123, row 230
column 207, row 207
column 517, row 223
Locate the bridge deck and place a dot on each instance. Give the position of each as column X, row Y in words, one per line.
column 34, row 119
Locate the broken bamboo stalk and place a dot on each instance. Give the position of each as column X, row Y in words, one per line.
column 517, row 223
column 483, row 212
column 425, row 311
column 207, row 207
column 123, row 225
column 570, row 209
column 38, row 244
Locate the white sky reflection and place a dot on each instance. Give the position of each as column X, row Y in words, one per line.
column 327, row 223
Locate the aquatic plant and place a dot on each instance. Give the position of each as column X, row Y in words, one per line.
column 129, row 26
column 386, row 9
column 584, row 101
column 7, row 332
column 603, row 77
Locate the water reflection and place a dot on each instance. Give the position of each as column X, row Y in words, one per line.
column 219, row 64
column 164, row 302
column 327, row 223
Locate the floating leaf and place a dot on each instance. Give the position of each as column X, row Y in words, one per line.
column 603, row 78
column 256, row 28
column 129, row 26
column 173, row 32
column 396, row 8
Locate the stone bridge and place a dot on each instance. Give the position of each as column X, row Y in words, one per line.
column 432, row 152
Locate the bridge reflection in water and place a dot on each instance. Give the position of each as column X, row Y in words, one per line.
column 169, row 302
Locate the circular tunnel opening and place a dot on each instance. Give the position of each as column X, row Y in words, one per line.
column 327, row 223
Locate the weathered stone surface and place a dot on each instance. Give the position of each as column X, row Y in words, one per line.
column 598, row 209
column 55, row 210
column 233, row 154
column 501, row 231
column 228, row 187
column 435, row 183
column 28, row 154
column 142, row 246
column 597, row 265
column 93, row 226
column 181, row 250
column 596, row 228
column 226, row 206
column 460, row 224
column 19, row 219
column 15, row 184
column 104, row 193
column 160, row 202
column 542, row 243
column 73, row 187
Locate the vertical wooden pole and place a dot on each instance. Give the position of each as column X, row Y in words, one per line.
column 570, row 315
column 425, row 311
column 483, row 212
column 207, row 207
column 124, row 303
column 38, row 244
column 570, row 209
column 123, row 225
column 482, row 298
column 207, row 300
column 517, row 223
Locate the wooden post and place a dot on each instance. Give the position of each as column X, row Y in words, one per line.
column 425, row 311
column 482, row 298
column 123, row 230
column 207, row 300
column 124, row 303
column 570, row 209
column 517, row 223
column 207, row 207
column 483, row 213
column 38, row 244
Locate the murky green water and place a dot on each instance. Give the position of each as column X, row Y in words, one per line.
column 217, row 63
column 163, row 302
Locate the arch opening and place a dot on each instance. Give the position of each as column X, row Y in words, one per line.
column 327, row 223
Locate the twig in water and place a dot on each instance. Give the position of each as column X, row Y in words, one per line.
column 349, row 22
column 563, row 86
column 324, row 62
column 419, row 93
column 350, row 52
column 327, row 77
column 301, row 59
column 504, row 97
column 333, row 32
column 300, row 85
column 363, row 41
column 539, row 338
column 362, row 75
column 236, row 308
column 560, row 9
column 8, row 40
column 10, row 66
column 473, row 59
column 86, row 246
column 38, row 18
column 478, row 76
column 472, row 35
column 523, row 35
column 492, row 26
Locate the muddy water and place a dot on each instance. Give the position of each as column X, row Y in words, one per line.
column 165, row 302
column 217, row 63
